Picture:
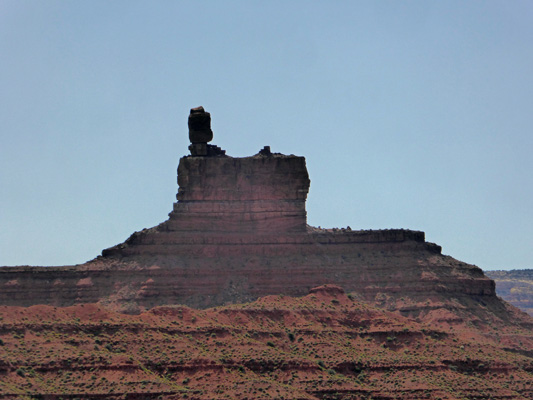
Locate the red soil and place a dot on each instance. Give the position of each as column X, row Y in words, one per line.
column 326, row 345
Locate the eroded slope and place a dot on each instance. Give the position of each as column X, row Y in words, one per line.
column 325, row 345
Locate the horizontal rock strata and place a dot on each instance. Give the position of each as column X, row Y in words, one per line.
column 253, row 195
column 326, row 345
column 238, row 232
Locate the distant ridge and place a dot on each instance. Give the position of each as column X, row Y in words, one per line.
column 515, row 286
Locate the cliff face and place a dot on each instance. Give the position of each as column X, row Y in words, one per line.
column 254, row 195
column 238, row 232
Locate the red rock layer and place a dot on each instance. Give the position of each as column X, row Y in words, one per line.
column 326, row 345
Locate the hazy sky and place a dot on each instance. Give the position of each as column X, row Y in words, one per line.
column 411, row 114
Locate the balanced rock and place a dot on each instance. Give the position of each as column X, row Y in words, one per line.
column 200, row 126
column 200, row 134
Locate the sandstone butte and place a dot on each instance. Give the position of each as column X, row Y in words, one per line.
column 236, row 297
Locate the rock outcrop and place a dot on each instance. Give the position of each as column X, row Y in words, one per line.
column 237, row 232
column 252, row 195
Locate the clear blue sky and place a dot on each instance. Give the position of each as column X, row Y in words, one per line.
column 412, row 114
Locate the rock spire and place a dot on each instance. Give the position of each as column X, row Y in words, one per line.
column 200, row 134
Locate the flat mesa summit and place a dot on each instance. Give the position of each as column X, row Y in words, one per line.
column 237, row 232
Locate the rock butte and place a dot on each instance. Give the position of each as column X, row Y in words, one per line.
column 238, row 232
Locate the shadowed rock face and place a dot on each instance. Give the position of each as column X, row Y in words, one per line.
column 238, row 232
column 200, row 126
column 200, row 134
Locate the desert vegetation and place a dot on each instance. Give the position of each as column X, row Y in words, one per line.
column 326, row 345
